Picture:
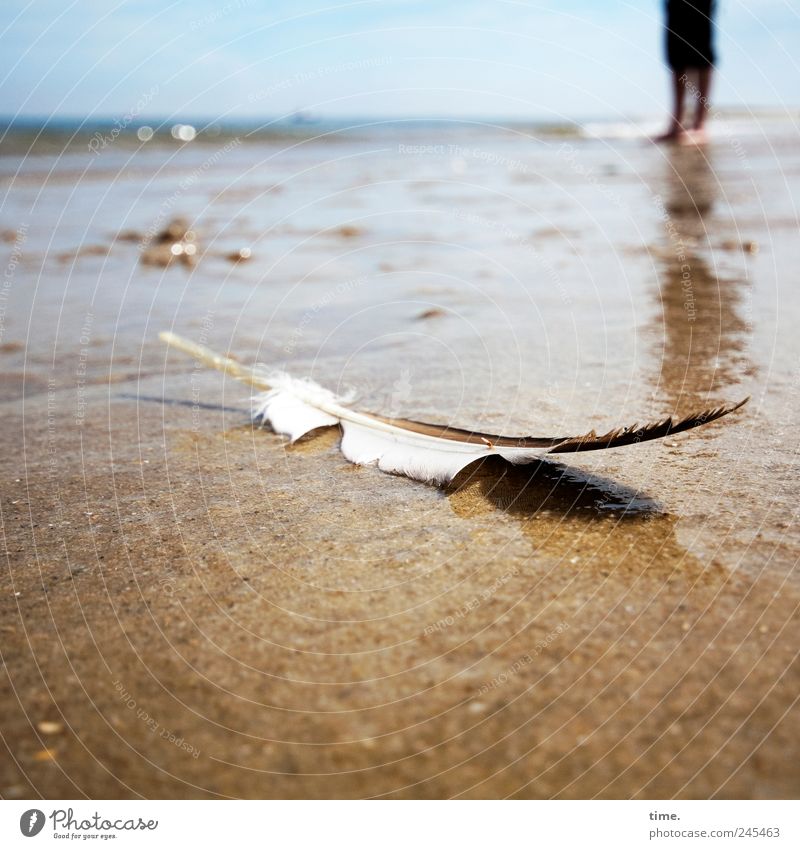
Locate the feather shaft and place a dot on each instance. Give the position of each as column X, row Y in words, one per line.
column 216, row 361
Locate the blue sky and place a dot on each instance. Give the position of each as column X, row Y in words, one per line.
column 254, row 58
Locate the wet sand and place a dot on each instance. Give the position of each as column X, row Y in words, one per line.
column 191, row 608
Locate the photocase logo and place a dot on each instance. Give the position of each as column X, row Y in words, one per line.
column 31, row 822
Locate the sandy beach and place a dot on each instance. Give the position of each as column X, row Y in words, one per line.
column 192, row 608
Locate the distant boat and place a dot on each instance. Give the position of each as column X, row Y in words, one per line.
column 302, row 116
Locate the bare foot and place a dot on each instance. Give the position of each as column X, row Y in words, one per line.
column 674, row 135
column 694, row 138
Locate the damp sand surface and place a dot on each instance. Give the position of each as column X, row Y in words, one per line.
column 192, row 608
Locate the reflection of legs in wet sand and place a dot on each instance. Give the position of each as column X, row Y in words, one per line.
column 690, row 55
column 702, row 343
column 700, row 324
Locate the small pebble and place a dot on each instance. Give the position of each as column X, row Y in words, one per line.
column 15, row 791
column 431, row 313
column 50, row 727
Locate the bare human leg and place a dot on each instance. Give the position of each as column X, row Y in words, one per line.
column 676, row 129
column 696, row 135
column 702, row 105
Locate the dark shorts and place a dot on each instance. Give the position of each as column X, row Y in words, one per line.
column 690, row 34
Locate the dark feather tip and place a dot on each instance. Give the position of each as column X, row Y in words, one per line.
column 635, row 433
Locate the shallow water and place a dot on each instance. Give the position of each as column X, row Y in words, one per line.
column 478, row 276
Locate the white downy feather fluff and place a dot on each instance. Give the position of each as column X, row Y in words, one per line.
column 294, row 407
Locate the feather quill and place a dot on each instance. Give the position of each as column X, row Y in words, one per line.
column 425, row 452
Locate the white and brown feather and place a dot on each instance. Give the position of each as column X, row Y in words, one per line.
column 419, row 450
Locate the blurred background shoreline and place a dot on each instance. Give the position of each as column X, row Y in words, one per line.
column 26, row 136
